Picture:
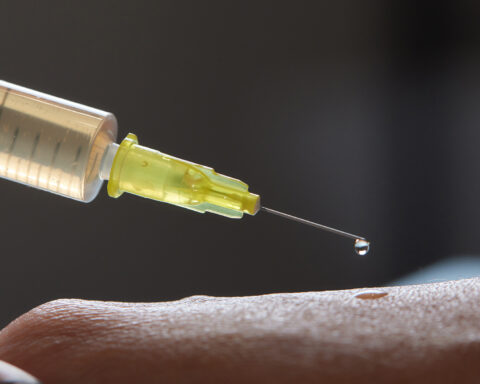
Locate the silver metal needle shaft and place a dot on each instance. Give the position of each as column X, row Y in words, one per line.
column 311, row 223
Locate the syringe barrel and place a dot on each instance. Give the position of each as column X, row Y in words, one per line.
column 52, row 144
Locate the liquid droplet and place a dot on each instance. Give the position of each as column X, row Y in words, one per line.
column 371, row 294
column 362, row 247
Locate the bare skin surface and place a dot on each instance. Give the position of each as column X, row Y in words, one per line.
column 416, row 334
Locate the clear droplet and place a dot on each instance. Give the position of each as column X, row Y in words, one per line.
column 362, row 247
column 371, row 294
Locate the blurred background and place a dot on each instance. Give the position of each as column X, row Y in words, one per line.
column 359, row 115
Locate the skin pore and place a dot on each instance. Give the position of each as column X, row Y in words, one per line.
column 414, row 334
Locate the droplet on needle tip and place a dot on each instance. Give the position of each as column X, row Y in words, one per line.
column 362, row 247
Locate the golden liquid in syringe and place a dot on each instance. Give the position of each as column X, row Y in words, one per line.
column 52, row 144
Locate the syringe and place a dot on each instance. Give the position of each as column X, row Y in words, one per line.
column 69, row 149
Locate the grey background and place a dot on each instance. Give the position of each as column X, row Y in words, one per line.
column 359, row 115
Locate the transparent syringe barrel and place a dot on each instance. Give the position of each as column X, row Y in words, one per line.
column 51, row 143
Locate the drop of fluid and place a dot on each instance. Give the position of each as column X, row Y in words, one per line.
column 371, row 294
column 362, row 247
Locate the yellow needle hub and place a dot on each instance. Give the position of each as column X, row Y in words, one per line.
column 155, row 175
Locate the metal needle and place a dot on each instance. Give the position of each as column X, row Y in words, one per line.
column 311, row 223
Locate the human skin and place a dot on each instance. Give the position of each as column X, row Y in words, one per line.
column 414, row 334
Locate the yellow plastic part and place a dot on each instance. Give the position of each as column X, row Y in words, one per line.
column 155, row 175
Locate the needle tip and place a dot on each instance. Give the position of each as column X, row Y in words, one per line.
column 313, row 224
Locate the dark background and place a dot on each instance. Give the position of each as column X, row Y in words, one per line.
column 362, row 115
